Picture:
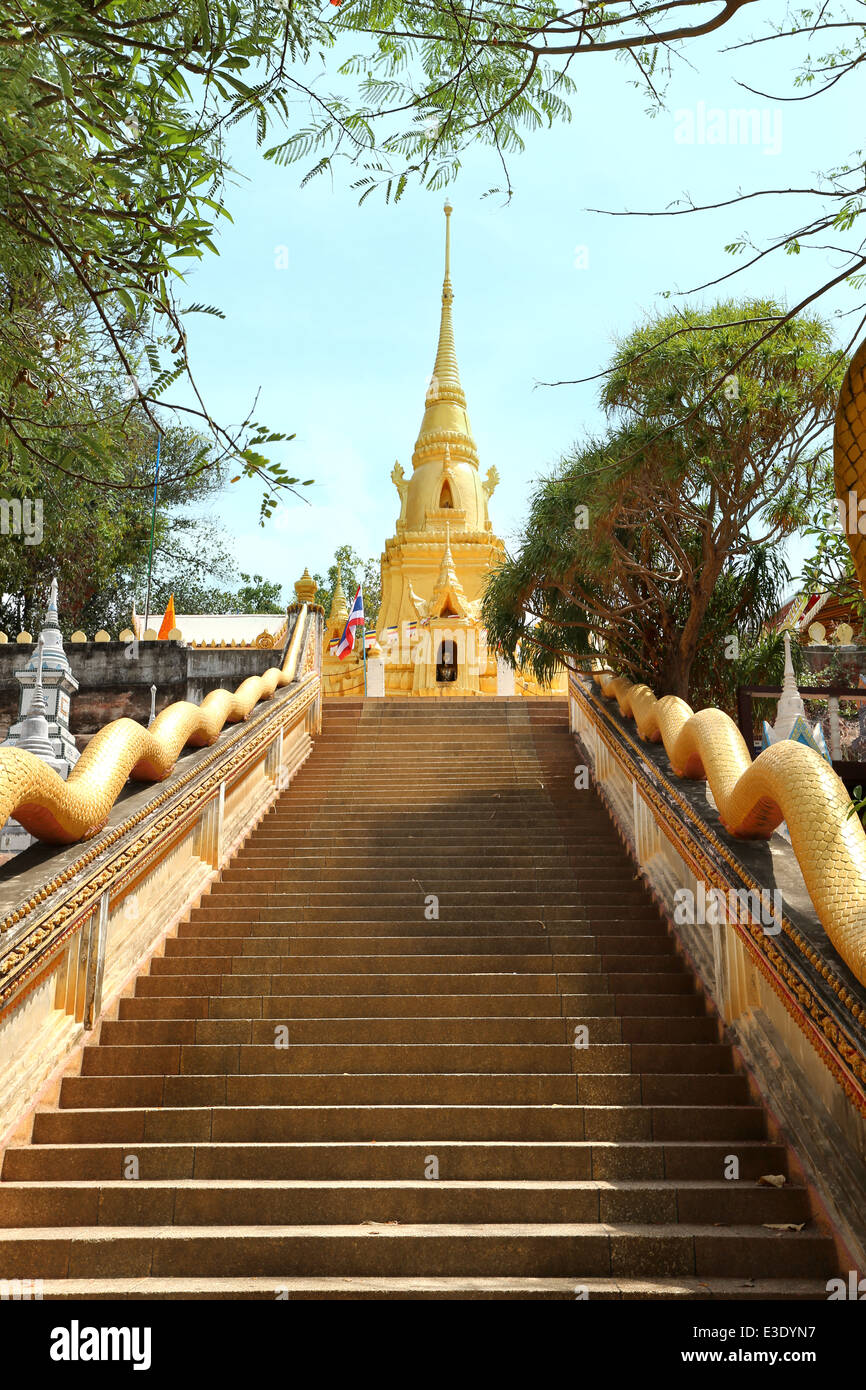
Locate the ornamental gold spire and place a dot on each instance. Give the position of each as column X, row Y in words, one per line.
column 339, row 612
column 446, row 375
column 445, row 415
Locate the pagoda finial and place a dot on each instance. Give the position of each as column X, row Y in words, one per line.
column 790, row 706
column 445, row 414
column 37, row 699
column 445, row 383
column 447, row 570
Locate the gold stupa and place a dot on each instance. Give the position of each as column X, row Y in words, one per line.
column 435, row 564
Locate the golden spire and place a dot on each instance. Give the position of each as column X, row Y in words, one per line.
column 446, row 375
column 448, row 598
column 446, row 569
column 445, row 413
column 339, row 611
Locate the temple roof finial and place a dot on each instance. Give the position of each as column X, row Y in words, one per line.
column 446, row 384
column 445, row 405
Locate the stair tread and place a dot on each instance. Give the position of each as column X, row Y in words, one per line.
column 148, row 1287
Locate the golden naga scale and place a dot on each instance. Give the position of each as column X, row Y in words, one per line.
column 63, row 812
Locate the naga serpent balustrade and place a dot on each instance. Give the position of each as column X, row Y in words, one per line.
column 787, row 781
column 62, row 813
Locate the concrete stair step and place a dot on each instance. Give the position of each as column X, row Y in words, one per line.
column 566, row 1250
column 388, row 1031
column 462, row 1288
column 493, row 1087
column 337, row 1006
column 380, row 964
column 255, row 939
column 608, row 933
column 291, row 1202
column 410, row 898
column 284, row 1054
column 384, row 982
column 334, row 917
column 339, row 1058
column 390, row 1159
column 409, row 1029
column 254, row 962
column 613, row 1126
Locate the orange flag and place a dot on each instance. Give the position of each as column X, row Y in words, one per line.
column 168, row 621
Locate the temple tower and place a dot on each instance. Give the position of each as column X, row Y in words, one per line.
column 443, row 531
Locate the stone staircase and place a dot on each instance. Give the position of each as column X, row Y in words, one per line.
column 425, row 918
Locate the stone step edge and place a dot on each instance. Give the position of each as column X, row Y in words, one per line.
column 403, row 1287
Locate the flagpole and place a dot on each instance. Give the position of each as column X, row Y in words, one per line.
column 152, row 528
column 364, row 640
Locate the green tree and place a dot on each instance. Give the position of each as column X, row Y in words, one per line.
column 254, row 594
column 113, row 174
column 660, row 542
column 97, row 543
column 830, row 565
column 354, row 571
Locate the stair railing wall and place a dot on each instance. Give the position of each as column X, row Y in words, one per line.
column 88, row 917
column 794, row 1010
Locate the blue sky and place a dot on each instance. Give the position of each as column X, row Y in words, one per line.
column 340, row 342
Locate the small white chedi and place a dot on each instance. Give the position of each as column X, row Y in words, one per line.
column 42, row 726
column 791, row 722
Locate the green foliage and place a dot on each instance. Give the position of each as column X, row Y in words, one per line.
column 112, row 176
column 96, row 542
column 354, row 571
column 656, row 543
column 761, row 661
column 830, row 565
column 253, row 595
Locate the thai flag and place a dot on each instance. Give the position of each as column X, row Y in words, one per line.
column 356, row 619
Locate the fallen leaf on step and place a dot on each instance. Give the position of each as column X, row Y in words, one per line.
column 773, row 1179
column 783, row 1226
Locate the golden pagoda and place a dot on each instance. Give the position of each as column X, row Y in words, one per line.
column 430, row 639
column 435, row 564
